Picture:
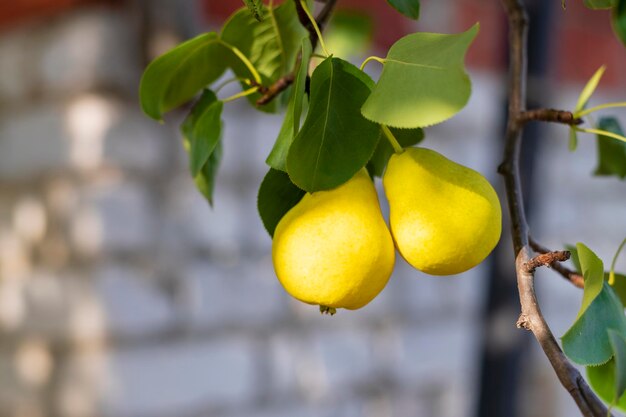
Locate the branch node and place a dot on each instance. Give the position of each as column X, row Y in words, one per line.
column 523, row 322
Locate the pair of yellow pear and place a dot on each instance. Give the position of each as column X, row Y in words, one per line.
column 333, row 248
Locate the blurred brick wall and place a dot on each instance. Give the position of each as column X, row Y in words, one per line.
column 123, row 294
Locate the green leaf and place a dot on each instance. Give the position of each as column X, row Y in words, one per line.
column 277, row 195
column 291, row 124
column 600, row 4
column 611, row 152
column 587, row 341
column 618, row 284
column 384, row 150
column 590, row 87
column 409, row 8
column 203, row 128
column 573, row 139
column 176, row 76
column 256, row 8
column 271, row 45
column 335, row 140
column 592, row 269
column 619, row 20
column 618, row 343
column 205, row 180
column 349, row 33
column 602, row 380
column 574, row 257
column 423, row 81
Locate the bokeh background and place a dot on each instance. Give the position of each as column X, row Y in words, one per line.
column 123, row 294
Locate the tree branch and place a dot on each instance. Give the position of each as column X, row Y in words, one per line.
column 549, row 115
column 546, row 259
column 572, row 276
column 531, row 317
column 285, row 81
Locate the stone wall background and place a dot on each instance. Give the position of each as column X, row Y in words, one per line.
column 123, row 294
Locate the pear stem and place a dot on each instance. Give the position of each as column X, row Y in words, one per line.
column 392, row 139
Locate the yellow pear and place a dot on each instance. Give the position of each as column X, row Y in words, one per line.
column 445, row 218
column 333, row 248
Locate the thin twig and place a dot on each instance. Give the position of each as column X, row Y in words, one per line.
column 280, row 85
column 546, row 259
column 572, row 276
column 549, row 115
column 531, row 317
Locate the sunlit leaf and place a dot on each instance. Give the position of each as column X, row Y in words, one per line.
column 277, row 195
column 335, row 140
column 178, row 75
column 590, row 87
column 409, row 8
column 423, row 81
column 618, row 284
column 291, row 124
column 592, row 269
column 349, row 33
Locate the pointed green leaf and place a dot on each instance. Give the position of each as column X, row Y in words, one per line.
column 600, row 4
column 602, row 380
column 271, row 45
column 176, row 76
column 619, row 20
column 611, row 152
column 384, row 150
column 409, row 8
column 256, row 8
column 205, row 180
column 590, row 87
column 335, row 140
column 587, row 341
column 423, row 81
column 592, row 269
column 277, row 195
column 291, row 124
column 203, row 128
column 618, row 343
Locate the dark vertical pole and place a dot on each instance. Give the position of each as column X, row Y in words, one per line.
column 503, row 346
